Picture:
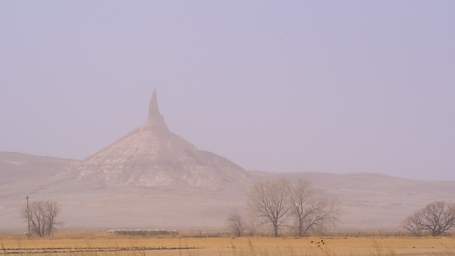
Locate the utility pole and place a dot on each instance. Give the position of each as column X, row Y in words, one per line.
column 28, row 215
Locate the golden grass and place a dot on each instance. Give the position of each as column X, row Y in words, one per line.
column 248, row 246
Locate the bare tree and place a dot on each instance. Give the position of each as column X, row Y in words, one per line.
column 42, row 216
column 311, row 209
column 413, row 224
column 269, row 202
column 235, row 224
column 436, row 218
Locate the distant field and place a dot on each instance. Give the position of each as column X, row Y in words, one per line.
column 259, row 246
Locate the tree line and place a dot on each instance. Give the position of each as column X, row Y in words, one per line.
column 278, row 204
column 303, row 209
column 295, row 205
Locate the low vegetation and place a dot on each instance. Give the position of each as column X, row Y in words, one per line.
column 109, row 244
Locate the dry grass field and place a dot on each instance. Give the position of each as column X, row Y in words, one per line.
column 256, row 246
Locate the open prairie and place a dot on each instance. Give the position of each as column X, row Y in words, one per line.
column 195, row 246
column 227, row 128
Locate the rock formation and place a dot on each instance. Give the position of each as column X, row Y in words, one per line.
column 153, row 156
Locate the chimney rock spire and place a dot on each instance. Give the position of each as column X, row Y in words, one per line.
column 155, row 119
column 154, row 109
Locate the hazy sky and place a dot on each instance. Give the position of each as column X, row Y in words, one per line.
column 335, row 86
